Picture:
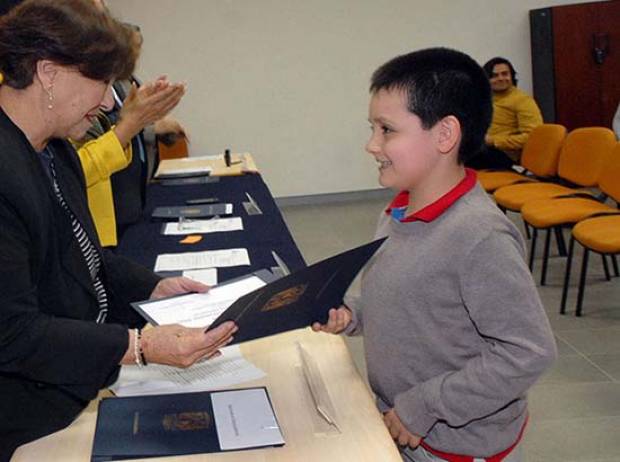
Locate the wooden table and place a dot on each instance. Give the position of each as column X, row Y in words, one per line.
column 361, row 435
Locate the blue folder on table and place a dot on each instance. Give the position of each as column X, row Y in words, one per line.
column 186, row 423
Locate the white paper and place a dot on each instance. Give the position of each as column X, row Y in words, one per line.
column 199, row 310
column 229, row 369
column 200, row 260
column 245, row 419
column 188, row 169
column 206, row 276
column 194, row 158
column 204, row 226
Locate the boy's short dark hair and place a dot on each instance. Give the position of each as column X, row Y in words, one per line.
column 491, row 63
column 440, row 82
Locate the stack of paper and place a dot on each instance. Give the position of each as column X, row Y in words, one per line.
column 229, row 369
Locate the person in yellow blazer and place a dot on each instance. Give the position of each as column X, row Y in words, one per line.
column 110, row 151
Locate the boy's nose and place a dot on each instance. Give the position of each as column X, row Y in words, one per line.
column 372, row 147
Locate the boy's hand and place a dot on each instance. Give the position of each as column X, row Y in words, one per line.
column 339, row 319
column 398, row 431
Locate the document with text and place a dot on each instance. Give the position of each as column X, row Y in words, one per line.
column 245, row 419
column 203, row 226
column 205, row 259
column 197, row 310
column 227, row 370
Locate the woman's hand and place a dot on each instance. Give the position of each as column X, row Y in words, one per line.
column 146, row 105
column 339, row 319
column 177, row 286
column 175, row 345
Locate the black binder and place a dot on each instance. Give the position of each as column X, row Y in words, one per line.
column 299, row 299
column 158, row 426
column 189, row 211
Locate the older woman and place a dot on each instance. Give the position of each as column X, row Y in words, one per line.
column 64, row 312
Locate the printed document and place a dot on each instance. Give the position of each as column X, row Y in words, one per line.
column 245, row 419
column 227, row 370
column 198, row 310
column 205, row 259
column 203, row 226
column 206, row 276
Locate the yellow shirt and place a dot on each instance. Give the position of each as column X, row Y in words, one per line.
column 515, row 115
column 101, row 158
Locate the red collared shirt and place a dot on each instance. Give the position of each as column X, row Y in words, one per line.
column 398, row 207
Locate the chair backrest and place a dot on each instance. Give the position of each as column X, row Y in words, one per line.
column 176, row 150
column 541, row 152
column 584, row 152
column 609, row 181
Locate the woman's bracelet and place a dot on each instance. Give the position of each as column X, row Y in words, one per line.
column 137, row 349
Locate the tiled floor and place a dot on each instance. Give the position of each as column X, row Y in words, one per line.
column 575, row 407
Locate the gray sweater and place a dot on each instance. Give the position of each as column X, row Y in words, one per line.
column 454, row 329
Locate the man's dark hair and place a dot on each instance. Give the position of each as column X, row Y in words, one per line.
column 440, row 82
column 491, row 63
column 67, row 32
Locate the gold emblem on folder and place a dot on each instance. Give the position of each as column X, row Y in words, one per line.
column 285, row 298
column 186, row 421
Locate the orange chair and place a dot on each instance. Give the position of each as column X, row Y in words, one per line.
column 539, row 158
column 583, row 153
column 176, row 150
column 568, row 209
column 596, row 234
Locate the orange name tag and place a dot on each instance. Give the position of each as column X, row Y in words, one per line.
column 191, row 239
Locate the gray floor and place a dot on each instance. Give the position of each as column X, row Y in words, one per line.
column 575, row 408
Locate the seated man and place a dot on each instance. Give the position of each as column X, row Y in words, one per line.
column 515, row 115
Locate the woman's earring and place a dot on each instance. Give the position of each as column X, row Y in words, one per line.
column 50, row 97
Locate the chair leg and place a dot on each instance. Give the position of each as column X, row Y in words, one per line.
column 615, row 265
column 533, row 248
column 606, row 267
column 569, row 264
column 559, row 237
column 527, row 230
column 582, row 281
column 543, row 273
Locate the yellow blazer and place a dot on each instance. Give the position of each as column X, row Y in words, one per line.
column 100, row 158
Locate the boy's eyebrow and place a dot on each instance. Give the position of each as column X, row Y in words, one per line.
column 379, row 119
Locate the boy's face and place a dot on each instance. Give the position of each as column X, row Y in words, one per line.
column 405, row 151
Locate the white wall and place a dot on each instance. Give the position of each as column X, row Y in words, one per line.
column 287, row 80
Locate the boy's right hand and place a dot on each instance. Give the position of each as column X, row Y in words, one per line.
column 339, row 319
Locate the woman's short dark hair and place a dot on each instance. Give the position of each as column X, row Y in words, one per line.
column 491, row 63
column 67, row 32
column 440, row 82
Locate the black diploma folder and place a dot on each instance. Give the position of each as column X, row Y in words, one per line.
column 189, row 211
column 299, row 299
column 161, row 425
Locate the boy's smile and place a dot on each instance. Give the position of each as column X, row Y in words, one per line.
column 403, row 149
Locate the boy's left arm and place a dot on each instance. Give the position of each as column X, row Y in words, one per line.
column 504, row 308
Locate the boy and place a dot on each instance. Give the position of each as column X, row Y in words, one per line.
column 454, row 330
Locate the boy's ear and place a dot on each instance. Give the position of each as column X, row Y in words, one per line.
column 448, row 134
